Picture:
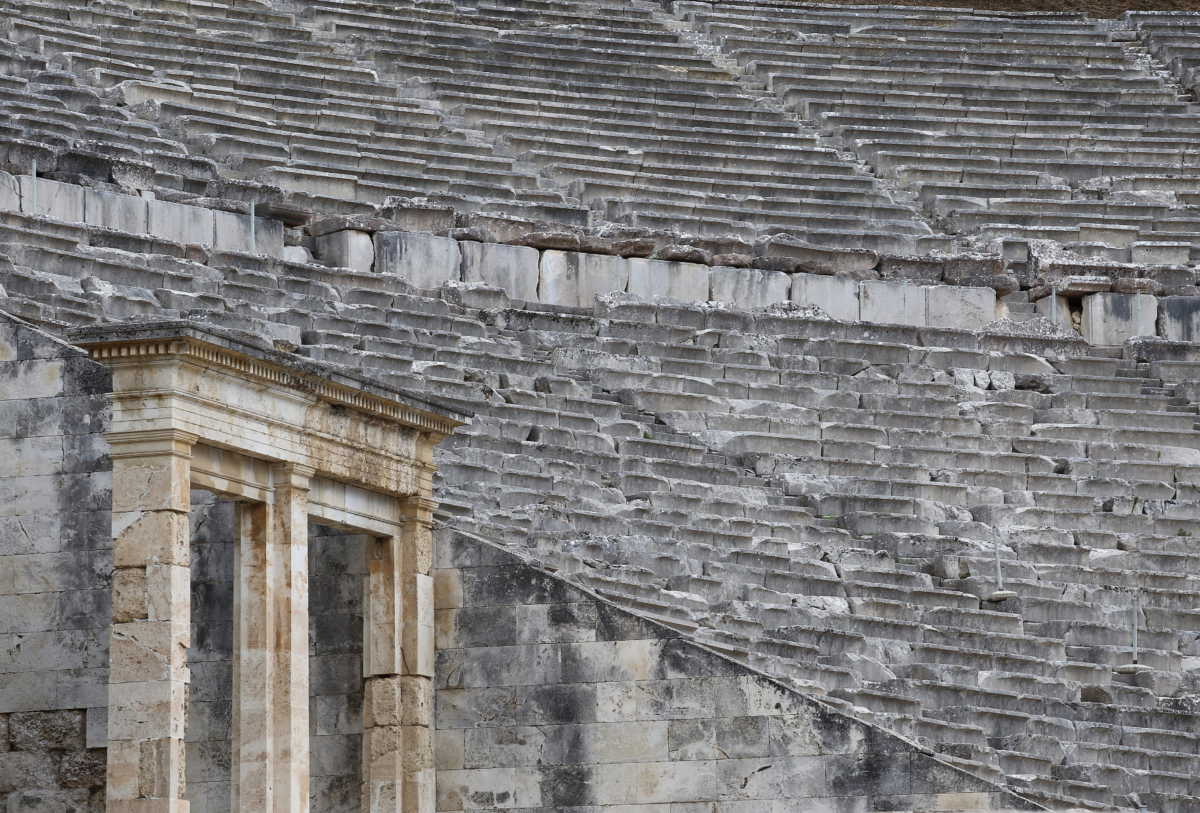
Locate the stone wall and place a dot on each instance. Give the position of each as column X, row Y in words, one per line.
column 337, row 565
column 210, row 693
column 548, row 699
column 572, row 278
column 54, row 573
column 131, row 214
column 1111, row 303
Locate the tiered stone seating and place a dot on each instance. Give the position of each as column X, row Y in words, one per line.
column 639, row 125
column 828, row 502
column 49, row 113
column 824, row 501
column 1002, row 125
column 731, row 121
column 1174, row 40
column 252, row 90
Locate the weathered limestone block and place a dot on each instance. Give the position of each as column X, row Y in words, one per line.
column 397, row 700
column 1110, row 319
column 46, row 730
column 126, row 213
column 34, row 378
column 748, row 288
column 425, row 260
column 574, row 279
column 82, row 769
column 232, row 232
column 956, row 306
column 1160, row 253
column 837, row 296
column 10, row 193
column 1179, row 318
column 513, row 268
column 1110, row 234
column 347, row 248
column 414, row 216
column 817, row 259
column 295, row 254
column 179, row 223
column 892, row 303
column 1057, row 309
column 681, row 281
column 46, row 198
column 142, row 538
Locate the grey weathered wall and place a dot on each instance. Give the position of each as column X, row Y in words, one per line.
column 54, row 572
column 337, row 564
column 210, row 705
column 549, row 699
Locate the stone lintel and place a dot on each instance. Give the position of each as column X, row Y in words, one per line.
column 142, row 341
column 267, row 405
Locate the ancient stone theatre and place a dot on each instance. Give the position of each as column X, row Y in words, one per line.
column 600, row 406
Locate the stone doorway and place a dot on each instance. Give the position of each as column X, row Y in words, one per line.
column 290, row 442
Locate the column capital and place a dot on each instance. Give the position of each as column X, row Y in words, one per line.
column 293, row 475
column 418, row 508
column 151, row 443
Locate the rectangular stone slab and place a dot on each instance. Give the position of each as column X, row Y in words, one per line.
column 424, row 260
column 837, row 296
column 513, row 268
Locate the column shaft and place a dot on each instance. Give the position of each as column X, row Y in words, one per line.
column 289, row 589
column 151, row 629
column 252, row 771
column 398, row 669
column 271, row 738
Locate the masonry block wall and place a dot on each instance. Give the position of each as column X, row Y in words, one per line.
column 210, row 693
column 337, row 565
column 547, row 699
column 55, row 563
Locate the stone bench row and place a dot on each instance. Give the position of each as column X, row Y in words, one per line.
column 130, row 214
column 573, row 279
column 926, row 82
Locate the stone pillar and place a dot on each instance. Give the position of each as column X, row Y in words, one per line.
column 398, row 668
column 289, row 592
column 151, row 615
column 270, row 669
column 251, row 772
